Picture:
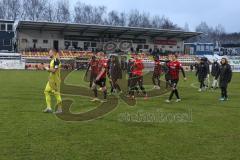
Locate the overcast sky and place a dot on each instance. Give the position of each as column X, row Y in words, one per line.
column 225, row 12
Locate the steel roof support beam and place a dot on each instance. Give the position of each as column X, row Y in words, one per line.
column 175, row 36
column 104, row 31
column 83, row 30
column 123, row 32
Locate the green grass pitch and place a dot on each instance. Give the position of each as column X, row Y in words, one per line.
column 28, row 134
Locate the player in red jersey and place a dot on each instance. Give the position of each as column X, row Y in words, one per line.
column 93, row 64
column 157, row 72
column 101, row 80
column 130, row 75
column 137, row 78
column 174, row 67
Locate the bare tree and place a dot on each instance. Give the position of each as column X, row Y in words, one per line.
column 116, row 19
column 210, row 34
column 218, row 33
column 219, row 30
column 123, row 19
column 113, row 18
column 2, row 10
column 59, row 11
column 168, row 24
column 156, row 22
column 79, row 15
column 145, row 20
column 98, row 14
column 89, row 14
column 134, row 18
column 63, row 11
column 207, row 31
column 10, row 9
column 83, row 13
column 203, row 27
column 50, row 12
column 137, row 19
column 34, row 9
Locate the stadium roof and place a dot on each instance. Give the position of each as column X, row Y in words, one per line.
column 105, row 29
column 6, row 21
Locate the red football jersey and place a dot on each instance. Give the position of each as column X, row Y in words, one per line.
column 157, row 67
column 138, row 67
column 102, row 67
column 174, row 68
column 94, row 66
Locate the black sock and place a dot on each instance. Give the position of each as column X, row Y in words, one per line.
column 95, row 92
column 112, row 89
column 158, row 82
column 105, row 94
column 224, row 92
column 143, row 90
column 153, row 80
column 118, row 87
column 171, row 95
column 226, row 96
column 176, row 93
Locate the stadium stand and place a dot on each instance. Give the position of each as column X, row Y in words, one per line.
column 62, row 54
column 11, row 61
column 79, row 42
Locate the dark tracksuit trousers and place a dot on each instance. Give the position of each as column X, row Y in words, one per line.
column 225, row 76
column 156, row 77
column 136, row 80
column 174, row 91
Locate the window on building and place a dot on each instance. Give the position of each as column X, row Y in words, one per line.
column 67, row 44
column 3, row 27
column 75, row 44
column 7, row 42
column 198, row 48
column 9, row 27
column 24, row 40
column 146, row 46
column 34, row 40
column 140, row 46
column 86, row 45
column 45, row 41
column 211, row 48
column 94, row 44
column 207, row 48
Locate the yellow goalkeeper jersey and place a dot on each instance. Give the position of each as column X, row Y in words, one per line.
column 55, row 78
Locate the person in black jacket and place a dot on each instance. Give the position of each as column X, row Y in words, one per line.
column 165, row 70
column 214, row 71
column 130, row 67
column 191, row 67
column 225, row 75
column 207, row 79
column 202, row 72
column 115, row 73
column 93, row 64
column 156, row 72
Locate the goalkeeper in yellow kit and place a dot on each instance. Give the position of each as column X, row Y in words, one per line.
column 54, row 81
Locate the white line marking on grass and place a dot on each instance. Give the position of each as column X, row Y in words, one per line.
column 193, row 85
